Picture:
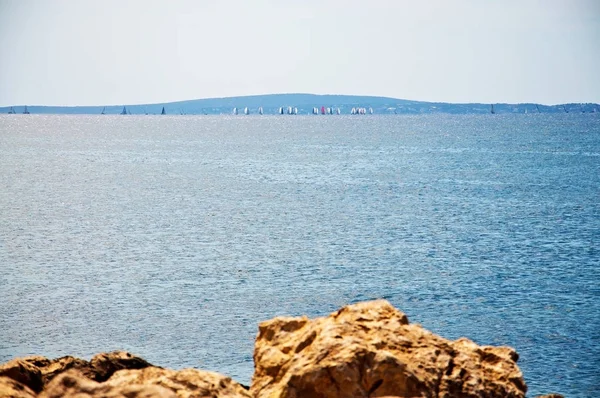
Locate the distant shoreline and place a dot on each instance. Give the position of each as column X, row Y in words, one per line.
column 305, row 104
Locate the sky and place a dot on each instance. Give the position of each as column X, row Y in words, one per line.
column 87, row 52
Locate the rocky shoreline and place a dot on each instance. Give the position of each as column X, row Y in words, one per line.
column 362, row 350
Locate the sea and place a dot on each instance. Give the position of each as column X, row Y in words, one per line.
column 172, row 237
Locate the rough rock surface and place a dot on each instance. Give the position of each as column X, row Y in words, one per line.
column 55, row 367
column 23, row 372
column 106, row 364
column 185, row 383
column 370, row 350
column 37, row 371
column 74, row 384
column 10, row 388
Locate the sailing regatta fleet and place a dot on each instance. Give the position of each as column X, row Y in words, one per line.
column 292, row 110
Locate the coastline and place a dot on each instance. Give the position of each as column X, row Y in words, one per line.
column 269, row 104
column 367, row 349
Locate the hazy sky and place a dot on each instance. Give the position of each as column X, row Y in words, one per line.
column 116, row 52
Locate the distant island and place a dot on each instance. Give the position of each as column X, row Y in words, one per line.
column 305, row 104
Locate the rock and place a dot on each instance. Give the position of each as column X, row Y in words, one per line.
column 36, row 371
column 10, row 388
column 550, row 396
column 115, row 374
column 105, row 364
column 37, row 360
column 73, row 384
column 55, row 367
column 23, row 372
column 100, row 368
column 371, row 350
column 184, row 383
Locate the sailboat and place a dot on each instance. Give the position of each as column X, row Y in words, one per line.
column 103, row 111
column 235, row 111
column 246, row 111
column 295, row 111
column 322, row 110
column 25, row 111
column 565, row 108
column 493, row 111
column 281, row 110
column 260, row 110
column 538, row 108
column 370, row 111
column 290, row 110
column 163, row 111
column 124, row 111
column 11, row 111
column 338, row 111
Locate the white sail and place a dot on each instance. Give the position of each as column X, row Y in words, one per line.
column 235, row 111
column 295, row 111
column 371, row 111
column 338, row 111
column 246, row 111
column 260, row 110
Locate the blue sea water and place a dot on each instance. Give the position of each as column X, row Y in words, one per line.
column 172, row 237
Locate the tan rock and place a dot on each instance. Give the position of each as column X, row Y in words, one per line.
column 55, row 367
column 73, row 384
column 184, row 383
column 37, row 360
column 10, row 388
column 37, row 371
column 105, row 364
column 24, row 372
column 370, row 350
